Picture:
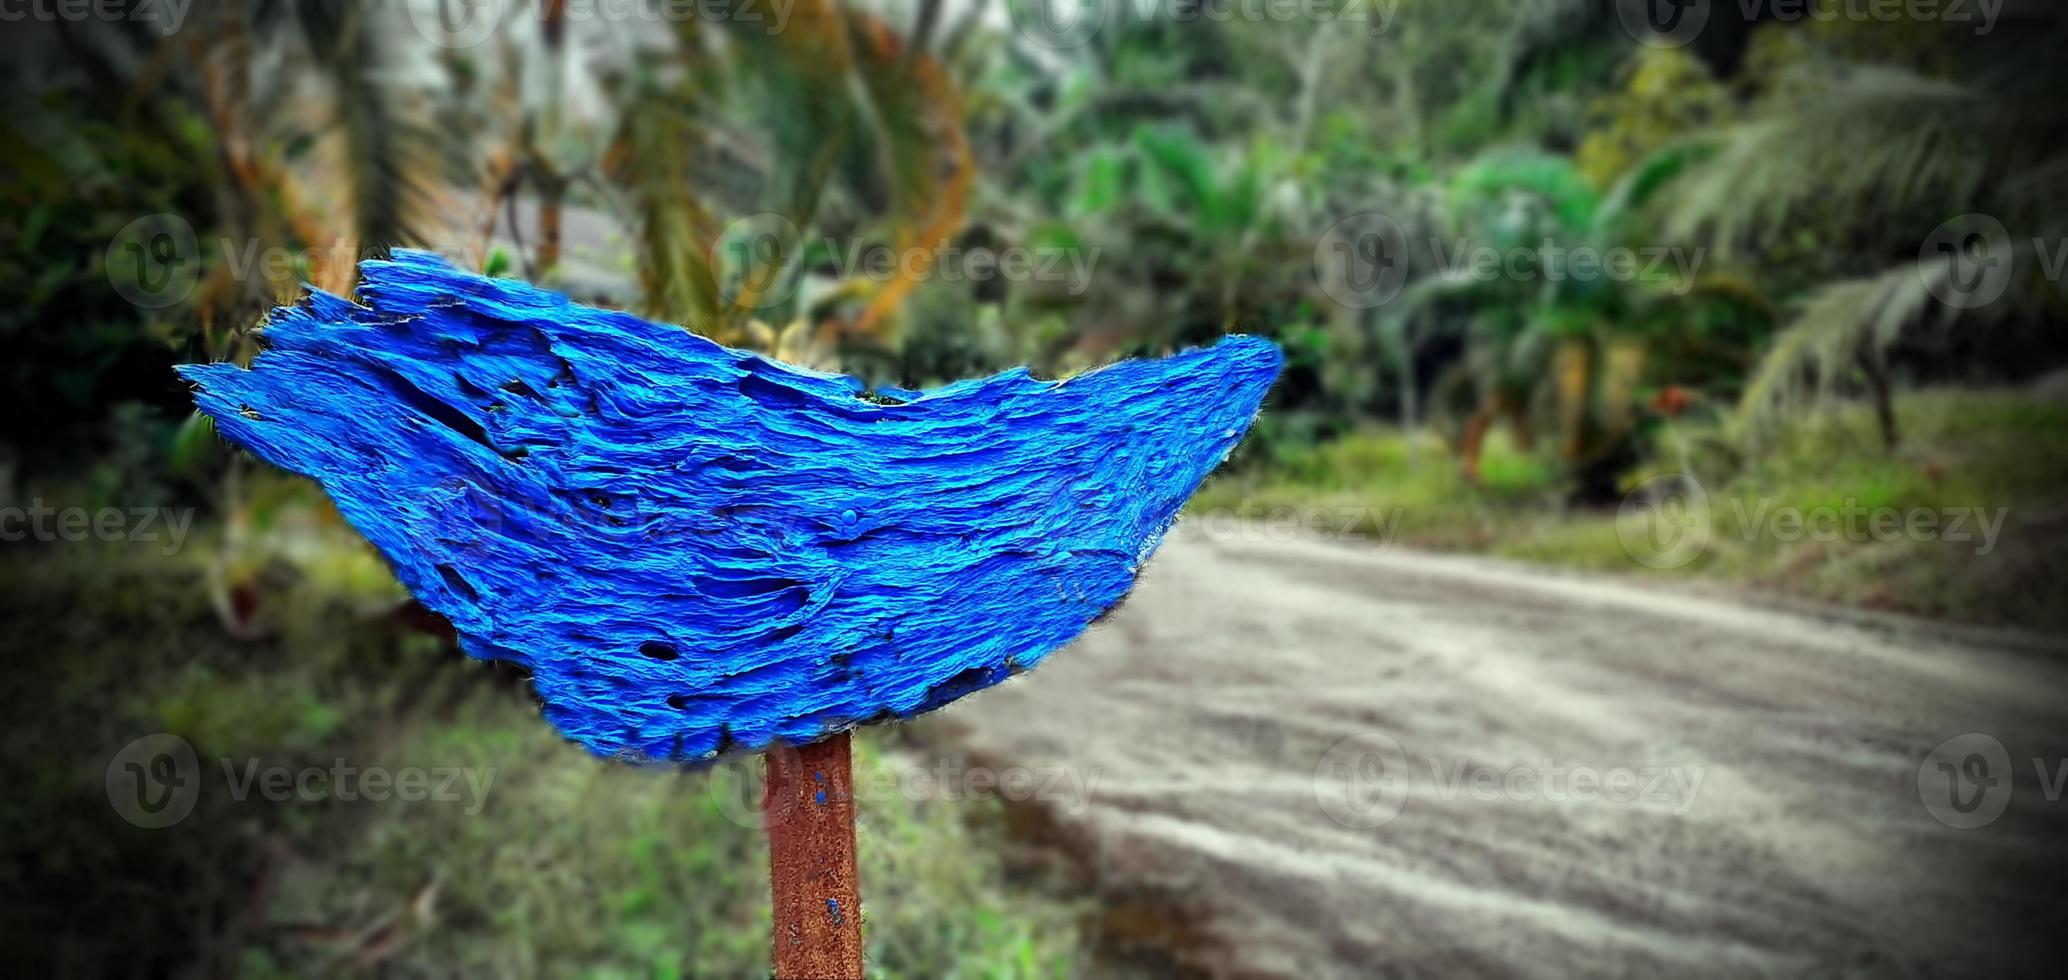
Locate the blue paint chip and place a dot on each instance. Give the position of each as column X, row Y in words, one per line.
column 696, row 550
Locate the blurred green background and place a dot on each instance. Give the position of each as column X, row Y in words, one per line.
column 1824, row 274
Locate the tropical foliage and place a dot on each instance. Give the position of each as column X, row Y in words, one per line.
column 816, row 191
column 1844, row 288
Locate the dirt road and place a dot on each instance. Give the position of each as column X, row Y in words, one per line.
column 1544, row 775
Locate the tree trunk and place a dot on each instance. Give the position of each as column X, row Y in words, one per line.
column 1884, row 400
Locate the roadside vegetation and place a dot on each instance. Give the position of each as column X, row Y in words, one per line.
column 539, row 860
column 1843, row 292
column 1965, row 522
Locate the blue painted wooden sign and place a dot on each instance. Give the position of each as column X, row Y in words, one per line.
column 694, row 549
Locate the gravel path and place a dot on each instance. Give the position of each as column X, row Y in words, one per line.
column 1321, row 760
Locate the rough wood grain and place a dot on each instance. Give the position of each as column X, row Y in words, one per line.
column 812, row 875
column 694, row 549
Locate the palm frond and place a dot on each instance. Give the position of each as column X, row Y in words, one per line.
column 1877, row 144
column 1856, row 321
column 805, row 73
column 916, row 115
column 1186, row 165
column 1553, row 179
column 676, row 233
column 1451, row 284
column 1637, row 187
column 387, row 156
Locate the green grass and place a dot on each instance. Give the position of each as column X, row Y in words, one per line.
column 1985, row 451
column 565, row 866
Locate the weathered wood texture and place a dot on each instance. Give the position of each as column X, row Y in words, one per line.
column 694, row 549
column 811, row 861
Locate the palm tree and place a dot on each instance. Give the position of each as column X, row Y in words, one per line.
column 840, row 104
column 1862, row 162
column 836, row 117
column 321, row 132
column 1581, row 342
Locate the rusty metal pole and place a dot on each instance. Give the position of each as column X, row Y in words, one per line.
column 809, row 814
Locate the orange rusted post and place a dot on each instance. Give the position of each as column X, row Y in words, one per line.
column 809, row 813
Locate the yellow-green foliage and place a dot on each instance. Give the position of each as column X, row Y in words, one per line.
column 1667, row 93
column 1963, row 449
